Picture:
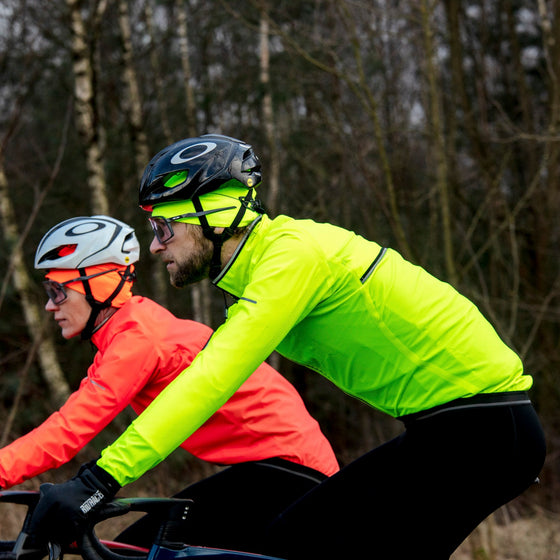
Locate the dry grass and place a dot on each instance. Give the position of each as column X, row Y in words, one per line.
column 534, row 538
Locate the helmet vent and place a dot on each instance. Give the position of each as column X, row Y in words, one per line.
column 59, row 252
column 130, row 243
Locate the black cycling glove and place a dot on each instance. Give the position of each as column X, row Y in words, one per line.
column 64, row 509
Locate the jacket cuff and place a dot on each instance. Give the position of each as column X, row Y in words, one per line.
column 105, row 479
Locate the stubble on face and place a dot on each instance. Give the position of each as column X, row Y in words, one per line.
column 193, row 263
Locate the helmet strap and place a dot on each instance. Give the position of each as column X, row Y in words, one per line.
column 218, row 239
column 97, row 306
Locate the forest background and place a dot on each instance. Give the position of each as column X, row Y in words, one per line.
column 431, row 126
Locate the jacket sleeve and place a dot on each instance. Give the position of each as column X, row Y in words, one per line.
column 112, row 381
column 284, row 288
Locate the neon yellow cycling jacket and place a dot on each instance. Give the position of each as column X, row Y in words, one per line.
column 379, row 327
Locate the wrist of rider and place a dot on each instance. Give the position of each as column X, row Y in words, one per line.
column 102, row 480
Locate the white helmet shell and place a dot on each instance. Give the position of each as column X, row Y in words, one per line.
column 87, row 241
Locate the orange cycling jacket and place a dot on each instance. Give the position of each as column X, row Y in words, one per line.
column 141, row 349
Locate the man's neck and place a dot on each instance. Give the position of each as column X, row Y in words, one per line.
column 229, row 248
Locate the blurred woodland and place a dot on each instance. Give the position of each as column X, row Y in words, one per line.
column 431, row 126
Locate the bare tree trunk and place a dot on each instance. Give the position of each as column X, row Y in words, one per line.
column 158, row 82
column 190, row 105
column 551, row 27
column 139, row 138
column 272, row 178
column 58, row 387
column 138, row 131
column 200, row 292
column 458, row 80
column 437, row 138
column 269, row 127
column 87, row 121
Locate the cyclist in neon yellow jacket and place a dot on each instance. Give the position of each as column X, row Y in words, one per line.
column 379, row 327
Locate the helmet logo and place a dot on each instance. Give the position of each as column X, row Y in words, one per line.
column 183, row 155
column 84, row 228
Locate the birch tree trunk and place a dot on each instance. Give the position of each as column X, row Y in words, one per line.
column 87, row 121
column 34, row 318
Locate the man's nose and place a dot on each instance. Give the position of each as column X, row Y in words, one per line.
column 156, row 245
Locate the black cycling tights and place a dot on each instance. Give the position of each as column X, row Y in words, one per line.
column 419, row 495
column 233, row 507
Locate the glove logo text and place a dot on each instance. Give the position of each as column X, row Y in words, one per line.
column 92, row 501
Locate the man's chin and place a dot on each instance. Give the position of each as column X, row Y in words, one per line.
column 177, row 282
column 181, row 278
column 181, row 282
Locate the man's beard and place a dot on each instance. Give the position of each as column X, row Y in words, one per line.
column 195, row 267
column 190, row 272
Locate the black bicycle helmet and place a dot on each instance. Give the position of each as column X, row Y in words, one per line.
column 193, row 167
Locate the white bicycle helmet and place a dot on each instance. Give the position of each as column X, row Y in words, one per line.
column 87, row 241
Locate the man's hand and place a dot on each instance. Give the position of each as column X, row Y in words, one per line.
column 64, row 509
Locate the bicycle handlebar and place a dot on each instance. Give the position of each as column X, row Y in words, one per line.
column 88, row 544
column 172, row 510
column 170, row 538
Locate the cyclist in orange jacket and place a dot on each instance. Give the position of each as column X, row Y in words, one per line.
column 277, row 449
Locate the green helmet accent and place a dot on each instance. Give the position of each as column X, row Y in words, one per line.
column 174, row 179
